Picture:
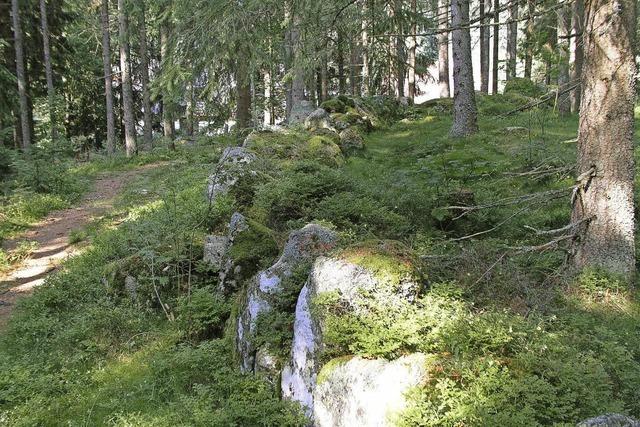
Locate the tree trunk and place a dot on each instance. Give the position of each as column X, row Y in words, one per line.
column 324, row 80
column 512, row 40
column 605, row 141
column 144, row 78
column 243, row 89
column 51, row 95
column 485, row 32
column 496, row 45
column 564, row 30
column 365, row 52
column 189, row 122
column 413, row 44
column 127, row 89
column 399, row 50
column 528, row 56
column 167, row 106
column 342, row 80
column 106, row 69
column 297, row 84
column 443, row 48
column 465, row 121
column 21, row 76
column 577, row 53
column 268, row 113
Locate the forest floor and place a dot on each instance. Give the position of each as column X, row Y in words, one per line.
column 53, row 238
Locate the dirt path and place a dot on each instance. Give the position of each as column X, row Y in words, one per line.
column 52, row 238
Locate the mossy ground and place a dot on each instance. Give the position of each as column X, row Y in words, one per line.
column 514, row 341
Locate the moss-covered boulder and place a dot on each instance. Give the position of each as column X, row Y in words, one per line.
column 319, row 119
column 351, row 140
column 344, row 284
column 235, row 165
column 274, row 145
column 302, row 247
column 322, row 149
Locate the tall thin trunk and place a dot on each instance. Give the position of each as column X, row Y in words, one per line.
column 127, row 89
column 106, row 69
column 189, row 107
column 399, row 50
column 167, row 105
column 365, row 51
column 528, row 56
column 324, row 80
column 512, row 40
column 413, row 43
column 443, row 48
column 21, row 76
column 496, row 45
column 298, row 83
column 144, row 78
column 342, row 80
column 485, row 33
column 564, row 30
column 465, row 115
column 605, row 140
column 243, row 89
column 268, row 116
column 51, row 95
column 577, row 53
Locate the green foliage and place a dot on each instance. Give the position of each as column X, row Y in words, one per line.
column 253, row 249
column 523, row 86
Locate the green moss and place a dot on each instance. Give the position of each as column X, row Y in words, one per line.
column 331, row 366
column 253, row 249
column 324, row 150
column 334, row 105
column 524, row 87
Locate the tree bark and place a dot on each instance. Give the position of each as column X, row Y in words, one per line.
column 605, row 140
column 144, row 79
column 167, row 105
column 496, row 45
column 465, row 116
column 342, row 80
column 399, row 50
column 46, row 45
column 21, row 76
column 189, row 113
column 243, row 89
column 577, row 53
column 512, row 40
column 528, row 56
column 564, row 30
column 365, row 51
column 443, row 48
column 413, row 44
column 485, row 32
column 127, row 89
column 268, row 107
column 106, row 69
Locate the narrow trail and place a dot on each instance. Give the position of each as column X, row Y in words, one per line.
column 52, row 238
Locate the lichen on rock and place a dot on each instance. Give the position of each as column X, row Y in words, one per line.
column 234, row 164
column 610, row 420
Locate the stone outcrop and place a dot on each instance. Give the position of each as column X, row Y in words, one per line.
column 351, row 140
column 303, row 246
column 319, row 119
column 341, row 276
column 363, row 392
column 610, row 420
column 234, row 164
column 300, row 111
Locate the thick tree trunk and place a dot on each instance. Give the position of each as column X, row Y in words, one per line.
column 298, row 83
column 144, row 79
column 46, row 47
column 167, row 106
column 577, row 53
column 496, row 45
column 443, row 48
column 564, row 30
column 413, row 43
column 21, row 76
column 528, row 56
column 485, row 32
column 512, row 40
column 127, row 89
column 106, row 69
column 605, row 140
column 465, row 121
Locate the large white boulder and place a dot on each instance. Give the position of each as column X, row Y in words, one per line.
column 610, row 420
column 234, row 164
column 363, row 392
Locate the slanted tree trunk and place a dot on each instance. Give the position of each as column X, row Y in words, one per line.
column 144, row 79
column 605, row 140
column 46, row 47
column 465, row 121
column 512, row 40
column 127, row 89
column 443, row 48
column 106, row 69
column 496, row 45
column 485, row 32
column 413, row 44
column 21, row 76
column 564, row 30
column 577, row 53
column 528, row 56
column 167, row 105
